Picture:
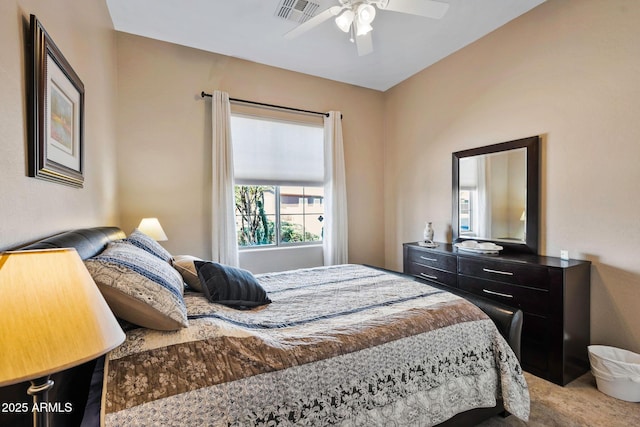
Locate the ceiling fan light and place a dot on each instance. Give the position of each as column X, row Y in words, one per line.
column 363, row 29
column 366, row 13
column 345, row 20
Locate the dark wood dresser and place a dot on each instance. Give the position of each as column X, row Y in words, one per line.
column 553, row 294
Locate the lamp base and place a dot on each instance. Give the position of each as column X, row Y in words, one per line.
column 39, row 389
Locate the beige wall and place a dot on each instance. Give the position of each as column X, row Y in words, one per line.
column 569, row 71
column 164, row 135
column 31, row 208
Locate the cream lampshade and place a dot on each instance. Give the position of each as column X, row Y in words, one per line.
column 345, row 20
column 53, row 318
column 365, row 15
column 152, row 228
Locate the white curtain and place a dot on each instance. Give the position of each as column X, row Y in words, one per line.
column 483, row 214
column 224, row 248
column 335, row 240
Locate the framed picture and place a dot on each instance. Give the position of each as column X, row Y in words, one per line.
column 56, row 112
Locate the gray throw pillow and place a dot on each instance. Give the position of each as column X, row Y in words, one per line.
column 233, row 287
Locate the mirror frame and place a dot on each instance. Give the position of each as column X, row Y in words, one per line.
column 532, row 144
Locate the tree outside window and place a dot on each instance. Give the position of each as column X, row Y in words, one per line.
column 278, row 215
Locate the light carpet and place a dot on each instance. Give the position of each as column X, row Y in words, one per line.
column 578, row 404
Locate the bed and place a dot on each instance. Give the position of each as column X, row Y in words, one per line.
column 344, row 345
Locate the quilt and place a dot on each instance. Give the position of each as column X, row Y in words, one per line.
column 344, row 345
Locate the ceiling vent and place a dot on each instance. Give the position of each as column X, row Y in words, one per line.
column 296, row 10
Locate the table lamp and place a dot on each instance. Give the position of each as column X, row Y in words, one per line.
column 152, row 228
column 53, row 317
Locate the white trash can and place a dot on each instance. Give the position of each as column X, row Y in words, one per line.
column 617, row 372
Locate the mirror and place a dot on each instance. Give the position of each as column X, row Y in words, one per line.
column 496, row 194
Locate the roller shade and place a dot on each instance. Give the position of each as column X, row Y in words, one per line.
column 267, row 152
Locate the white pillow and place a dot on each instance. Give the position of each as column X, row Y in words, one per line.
column 185, row 266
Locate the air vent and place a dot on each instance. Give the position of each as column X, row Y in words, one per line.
column 296, row 10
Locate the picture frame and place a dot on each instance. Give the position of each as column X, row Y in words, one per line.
column 56, row 112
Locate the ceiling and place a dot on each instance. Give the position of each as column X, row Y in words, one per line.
column 249, row 29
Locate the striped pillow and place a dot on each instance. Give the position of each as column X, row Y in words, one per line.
column 139, row 287
column 141, row 240
column 230, row 286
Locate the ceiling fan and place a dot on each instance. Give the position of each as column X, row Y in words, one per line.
column 355, row 17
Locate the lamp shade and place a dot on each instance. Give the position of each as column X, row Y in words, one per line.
column 52, row 315
column 366, row 13
column 152, row 228
column 363, row 28
column 345, row 20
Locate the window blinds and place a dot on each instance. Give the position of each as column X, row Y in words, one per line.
column 267, row 152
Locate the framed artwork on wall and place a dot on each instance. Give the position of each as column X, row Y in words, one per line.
column 56, row 112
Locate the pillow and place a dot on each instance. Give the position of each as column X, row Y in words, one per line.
column 139, row 287
column 185, row 266
column 141, row 240
column 230, row 286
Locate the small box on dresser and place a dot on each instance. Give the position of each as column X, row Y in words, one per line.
column 553, row 294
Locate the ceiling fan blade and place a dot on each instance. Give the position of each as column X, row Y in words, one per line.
column 364, row 44
column 426, row 8
column 316, row 20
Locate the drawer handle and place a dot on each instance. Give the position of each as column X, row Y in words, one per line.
column 506, row 273
column 428, row 259
column 429, row 276
column 497, row 293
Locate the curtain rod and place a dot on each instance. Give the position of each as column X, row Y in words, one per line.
column 262, row 104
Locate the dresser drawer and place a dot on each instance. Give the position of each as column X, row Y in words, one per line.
column 433, row 259
column 526, row 299
column 535, row 343
column 535, row 357
column 536, row 328
column 509, row 272
column 433, row 274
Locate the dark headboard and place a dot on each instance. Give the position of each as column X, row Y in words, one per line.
column 87, row 241
column 72, row 385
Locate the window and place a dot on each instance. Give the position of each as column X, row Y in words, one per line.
column 278, row 215
column 466, row 211
column 279, row 174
